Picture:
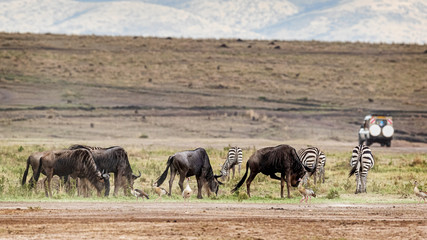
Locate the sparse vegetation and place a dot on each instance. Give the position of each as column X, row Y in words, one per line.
column 392, row 182
column 173, row 82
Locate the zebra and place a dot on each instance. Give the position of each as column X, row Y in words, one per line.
column 361, row 161
column 234, row 157
column 310, row 158
column 321, row 167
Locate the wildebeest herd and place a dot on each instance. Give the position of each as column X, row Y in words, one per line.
column 94, row 164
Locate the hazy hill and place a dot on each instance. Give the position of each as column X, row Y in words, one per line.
column 388, row 21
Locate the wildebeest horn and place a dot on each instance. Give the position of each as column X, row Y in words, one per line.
column 217, row 176
column 137, row 176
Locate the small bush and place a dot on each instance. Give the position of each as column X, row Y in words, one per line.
column 333, row 193
column 143, row 136
column 417, row 162
column 242, row 196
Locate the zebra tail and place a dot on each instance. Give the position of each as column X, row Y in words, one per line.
column 241, row 180
column 162, row 178
column 352, row 171
column 24, row 177
column 356, row 167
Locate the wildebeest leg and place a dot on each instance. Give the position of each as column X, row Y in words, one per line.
column 46, row 192
column 288, row 183
column 181, row 181
column 249, row 181
column 173, row 173
column 49, row 179
column 199, row 188
column 282, row 185
column 49, row 175
column 116, row 183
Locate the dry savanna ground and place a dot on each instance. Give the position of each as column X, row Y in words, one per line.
column 133, row 88
column 163, row 220
column 156, row 96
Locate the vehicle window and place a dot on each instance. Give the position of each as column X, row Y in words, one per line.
column 381, row 122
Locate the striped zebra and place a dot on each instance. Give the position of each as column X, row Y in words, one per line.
column 310, row 158
column 361, row 161
column 234, row 157
column 321, row 167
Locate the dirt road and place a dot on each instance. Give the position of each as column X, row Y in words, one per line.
column 162, row 220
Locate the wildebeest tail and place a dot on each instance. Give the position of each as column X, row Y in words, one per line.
column 37, row 175
column 24, row 177
column 162, row 178
column 241, row 180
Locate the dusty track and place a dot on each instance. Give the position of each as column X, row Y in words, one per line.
column 161, row 220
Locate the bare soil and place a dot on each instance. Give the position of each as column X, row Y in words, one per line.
column 164, row 220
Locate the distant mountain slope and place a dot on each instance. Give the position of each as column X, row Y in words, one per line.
column 327, row 20
column 359, row 20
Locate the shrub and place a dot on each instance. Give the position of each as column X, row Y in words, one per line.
column 333, row 193
column 20, row 149
column 242, row 196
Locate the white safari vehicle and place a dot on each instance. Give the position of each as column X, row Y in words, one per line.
column 376, row 128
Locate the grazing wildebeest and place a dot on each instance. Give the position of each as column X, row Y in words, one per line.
column 191, row 163
column 34, row 160
column 82, row 185
column 77, row 163
column 281, row 159
column 113, row 160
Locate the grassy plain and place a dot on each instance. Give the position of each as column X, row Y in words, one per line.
column 157, row 96
column 390, row 181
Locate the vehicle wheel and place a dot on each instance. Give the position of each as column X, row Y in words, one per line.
column 368, row 143
column 382, row 144
column 388, row 144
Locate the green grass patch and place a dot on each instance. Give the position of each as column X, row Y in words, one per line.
column 390, row 181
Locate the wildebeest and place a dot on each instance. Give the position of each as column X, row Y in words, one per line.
column 281, row 159
column 191, row 163
column 77, row 163
column 34, row 160
column 113, row 160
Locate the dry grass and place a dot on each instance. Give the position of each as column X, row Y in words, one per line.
column 117, row 89
column 390, row 180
